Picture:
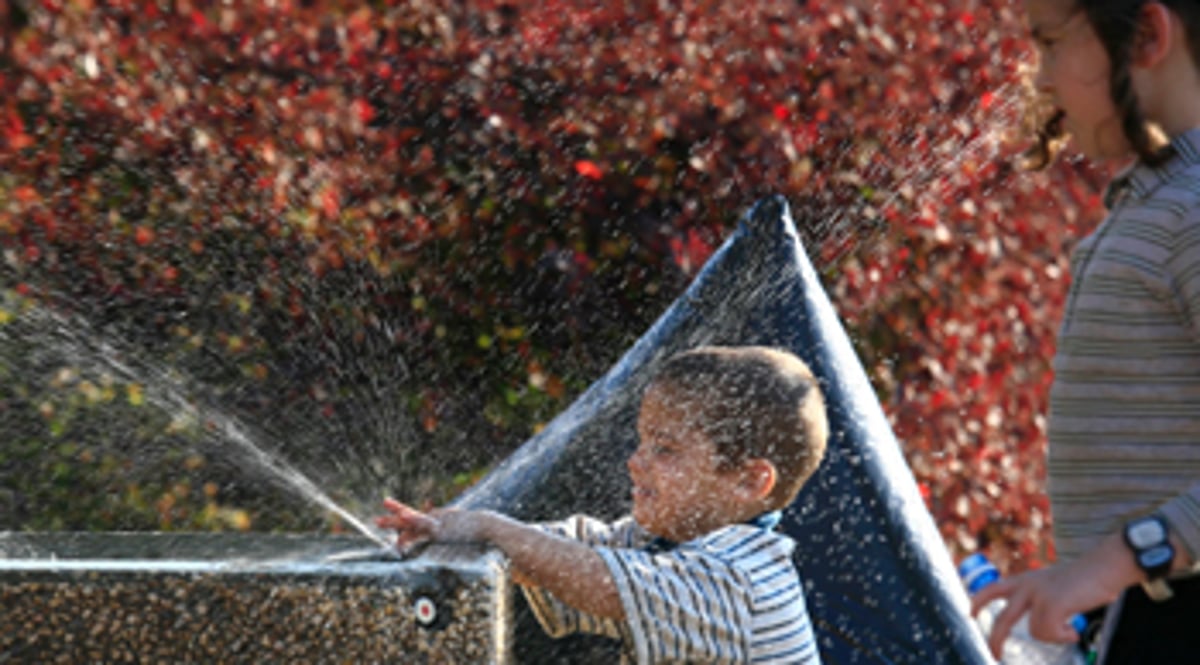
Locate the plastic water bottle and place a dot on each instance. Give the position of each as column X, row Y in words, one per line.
column 1020, row 648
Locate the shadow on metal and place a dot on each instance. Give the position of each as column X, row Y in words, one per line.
column 880, row 585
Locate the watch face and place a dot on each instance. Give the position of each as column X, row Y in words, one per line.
column 1155, row 557
column 1146, row 533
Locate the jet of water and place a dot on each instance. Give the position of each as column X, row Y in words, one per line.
column 70, row 337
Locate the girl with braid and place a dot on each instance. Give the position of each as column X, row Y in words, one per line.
column 1122, row 78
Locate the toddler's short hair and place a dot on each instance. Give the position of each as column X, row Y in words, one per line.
column 753, row 402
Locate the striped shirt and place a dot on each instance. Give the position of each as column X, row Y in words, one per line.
column 1124, row 420
column 732, row 596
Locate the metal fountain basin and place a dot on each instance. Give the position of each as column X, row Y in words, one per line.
column 168, row 597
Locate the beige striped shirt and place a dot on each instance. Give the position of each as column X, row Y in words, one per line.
column 1124, row 425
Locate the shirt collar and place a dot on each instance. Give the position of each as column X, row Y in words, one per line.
column 766, row 521
column 1139, row 180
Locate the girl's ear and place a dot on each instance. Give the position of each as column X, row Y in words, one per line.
column 758, row 479
column 1154, row 35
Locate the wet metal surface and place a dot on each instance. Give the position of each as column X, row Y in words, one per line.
column 247, row 598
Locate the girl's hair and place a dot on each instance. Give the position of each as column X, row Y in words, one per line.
column 1115, row 23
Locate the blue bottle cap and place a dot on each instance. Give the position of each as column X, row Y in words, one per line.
column 1078, row 623
column 977, row 572
column 972, row 562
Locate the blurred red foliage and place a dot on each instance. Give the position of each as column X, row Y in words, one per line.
column 530, row 183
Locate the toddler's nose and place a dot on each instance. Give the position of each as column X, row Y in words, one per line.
column 634, row 463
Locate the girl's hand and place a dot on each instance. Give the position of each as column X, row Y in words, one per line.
column 1053, row 595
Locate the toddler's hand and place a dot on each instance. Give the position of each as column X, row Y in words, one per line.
column 411, row 525
column 444, row 525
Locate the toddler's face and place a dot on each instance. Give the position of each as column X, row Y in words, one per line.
column 679, row 491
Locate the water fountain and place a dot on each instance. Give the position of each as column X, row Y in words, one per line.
column 880, row 584
column 252, row 597
column 111, row 597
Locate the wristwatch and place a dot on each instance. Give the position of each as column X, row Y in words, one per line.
column 1150, row 541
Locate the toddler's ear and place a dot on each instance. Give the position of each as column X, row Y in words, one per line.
column 758, row 479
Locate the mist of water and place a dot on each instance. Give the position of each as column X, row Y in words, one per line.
column 905, row 167
column 167, row 390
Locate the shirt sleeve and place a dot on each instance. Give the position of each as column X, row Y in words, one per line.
column 682, row 605
column 591, row 531
column 559, row 619
column 1183, row 271
column 1183, row 512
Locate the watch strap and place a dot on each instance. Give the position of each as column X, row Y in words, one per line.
column 1158, row 590
column 1153, row 558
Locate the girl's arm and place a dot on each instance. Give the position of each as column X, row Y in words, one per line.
column 572, row 571
column 1052, row 595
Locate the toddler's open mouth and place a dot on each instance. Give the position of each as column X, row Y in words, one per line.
column 641, row 492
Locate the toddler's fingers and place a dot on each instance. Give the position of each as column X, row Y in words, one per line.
column 412, row 525
column 404, row 512
column 395, row 507
column 391, row 522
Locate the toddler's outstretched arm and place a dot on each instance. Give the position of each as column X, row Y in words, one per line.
column 572, row 571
